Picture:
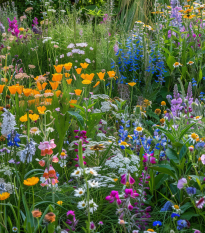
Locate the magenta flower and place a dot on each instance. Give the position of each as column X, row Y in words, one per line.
column 149, row 158
column 113, row 196
column 92, row 226
column 123, row 179
column 181, row 183
column 100, row 223
column 200, row 203
column 130, row 193
column 71, row 214
column 130, row 207
column 131, row 180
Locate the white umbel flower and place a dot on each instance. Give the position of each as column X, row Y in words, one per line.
column 8, row 124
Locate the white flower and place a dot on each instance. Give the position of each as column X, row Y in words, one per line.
column 91, row 48
column 150, row 231
column 79, row 192
column 35, row 130
column 93, row 184
column 69, row 54
column 81, row 52
column 62, row 163
column 121, row 221
column 81, row 205
column 93, row 206
column 197, row 118
column 91, row 171
column 87, row 60
column 77, row 172
column 8, row 124
column 193, row 137
column 81, row 45
column 70, row 46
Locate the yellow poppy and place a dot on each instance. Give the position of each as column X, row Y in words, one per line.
column 84, row 65
column 111, row 74
column 57, row 77
column 101, row 75
column 72, row 102
column 68, row 66
column 54, row 85
column 69, row 81
column 132, row 84
column 41, row 109
column 58, row 68
column 31, row 181
column 23, row 118
column 34, row 117
column 78, row 91
column 86, row 81
column 67, row 75
column 59, row 202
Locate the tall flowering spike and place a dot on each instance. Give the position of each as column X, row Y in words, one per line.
column 175, row 91
column 189, row 91
column 80, row 154
column 8, row 124
column 29, row 151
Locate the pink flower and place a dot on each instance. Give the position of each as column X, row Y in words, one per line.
column 203, row 159
column 181, row 183
column 46, row 147
column 113, row 196
column 55, row 159
column 149, row 158
column 123, row 179
column 130, row 207
column 42, row 163
column 131, row 180
column 200, row 203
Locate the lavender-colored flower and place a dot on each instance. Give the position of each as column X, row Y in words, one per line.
column 28, row 153
column 100, row 223
column 191, row 190
column 197, row 231
column 181, row 183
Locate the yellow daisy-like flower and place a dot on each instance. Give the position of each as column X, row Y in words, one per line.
column 23, row 118
column 177, row 64
column 132, row 84
column 59, row 202
column 34, row 117
column 163, row 103
column 4, row 196
column 31, row 181
column 129, row 136
column 115, row 180
column 176, row 207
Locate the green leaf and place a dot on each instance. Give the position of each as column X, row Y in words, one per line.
column 33, row 171
column 160, row 179
column 51, row 227
column 170, row 62
column 183, row 152
column 186, row 206
column 171, row 154
column 183, row 132
column 189, row 215
column 200, row 75
column 78, row 117
column 166, row 169
column 167, row 133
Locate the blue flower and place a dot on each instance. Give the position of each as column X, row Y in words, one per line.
column 181, row 224
column 13, row 139
column 173, row 215
column 167, row 206
column 157, row 223
column 191, row 190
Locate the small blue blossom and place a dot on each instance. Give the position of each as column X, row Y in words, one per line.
column 191, row 190
column 157, row 223
column 173, row 215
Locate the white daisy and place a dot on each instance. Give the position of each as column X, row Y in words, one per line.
column 91, row 171
column 81, row 204
column 79, row 192
column 139, row 129
column 121, row 222
column 194, row 137
column 197, row 118
column 77, row 172
column 93, row 206
column 93, row 183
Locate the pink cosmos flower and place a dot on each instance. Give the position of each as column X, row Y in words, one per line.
column 181, row 183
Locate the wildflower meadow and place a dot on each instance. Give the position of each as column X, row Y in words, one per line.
column 102, row 116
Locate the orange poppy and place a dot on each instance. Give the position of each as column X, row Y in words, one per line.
column 41, row 86
column 97, row 83
column 58, row 93
column 68, row 66
column 27, row 91
column 72, row 102
column 86, row 81
column 48, row 91
column 67, row 75
column 49, row 100
column 84, row 65
column 57, row 77
column 69, row 81
column 54, row 85
column 35, row 92
column 87, row 76
column 1, row 88
column 101, row 75
column 111, row 74
column 19, row 89
column 41, row 109
column 12, row 90
column 78, row 91
column 78, row 70
column 58, row 68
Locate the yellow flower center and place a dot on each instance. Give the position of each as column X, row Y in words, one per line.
column 77, row 172
column 80, row 192
column 139, row 129
column 194, row 136
column 176, row 206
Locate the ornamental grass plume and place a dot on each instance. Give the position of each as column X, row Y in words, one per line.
column 31, row 181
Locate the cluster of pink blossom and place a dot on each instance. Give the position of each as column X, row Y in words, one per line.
column 13, row 28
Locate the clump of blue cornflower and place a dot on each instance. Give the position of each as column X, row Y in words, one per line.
column 194, row 82
column 182, row 224
column 174, row 215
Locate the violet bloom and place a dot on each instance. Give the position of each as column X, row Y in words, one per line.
column 130, row 207
column 197, row 231
column 92, row 226
column 123, row 179
column 113, row 196
column 130, row 193
column 35, row 22
column 71, row 214
column 100, row 223
column 181, row 183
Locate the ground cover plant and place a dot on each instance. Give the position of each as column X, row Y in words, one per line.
column 102, row 119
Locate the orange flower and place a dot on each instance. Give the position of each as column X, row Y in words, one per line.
column 31, row 181
column 1, row 88
column 48, row 91
column 19, row 89
column 23, row 118
column 41, row 109
column 163, row 103
column 72, row 102
column 57, row 77
column 68, row 66
column 48, row 100
column 50, row 217
column 84, row 65
column 4, row 196
column 86, row 81
column 35, row 92
column 101, row 75
column 36, row 213
column 34, row 117
column 132, row 84
column 111, row 74
column 87, row 76
column 67, row 75
column 69, row 81
column 77, row 91
column 162, row 121
column 12, row 90
column 58, row 93
column 27, row 91
column 97, row 83
column 78, row 70
column 41, row 86
column 58, row 68
column 54, row 85
column 157, row 111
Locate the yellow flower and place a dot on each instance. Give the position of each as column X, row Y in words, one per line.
column 163, row 103
column 59, row 202
column 84, row 65
column 139, row 129
column 115, row 180
column 132, row 84
column 162, row 121
column 176, row 207
column 78, row 70
column 31, row 181
column 86, row 81
column 1, row 88
column 34, row 117
column 67, row 75
column 177, row 64
column 72, row 102
column 165, row 112
column 21, row 29
column 157, row 111
column 27, row 91
column 101, row 75
column 4, row 196
column 150, row 230
column 23, row 118
column 69, row 81
column 54, row 85
column 57, row 77
column 129, row 136
column 41, row 109
column 77, row 91
column 68, row 66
